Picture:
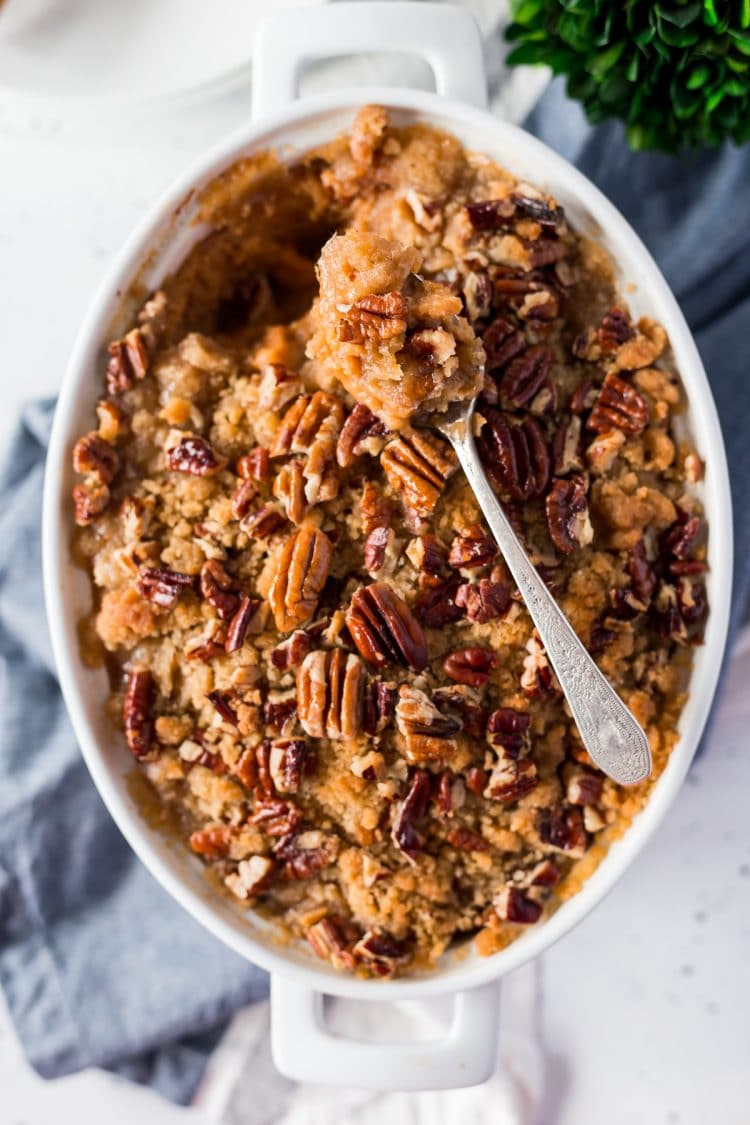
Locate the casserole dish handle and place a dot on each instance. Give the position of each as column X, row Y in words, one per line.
column 447, row 38
column 306, row 1050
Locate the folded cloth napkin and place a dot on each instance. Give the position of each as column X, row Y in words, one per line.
column 99, row 967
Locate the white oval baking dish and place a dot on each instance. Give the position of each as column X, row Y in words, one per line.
column 448, row 39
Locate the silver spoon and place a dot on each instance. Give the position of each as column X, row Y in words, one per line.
column 610, row 733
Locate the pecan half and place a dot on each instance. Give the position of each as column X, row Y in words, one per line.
column 515, row 454
column 214, row 841
column 218, row 588
column 362, row 432
column 137, row 716
column 619, row 406
column 406, row 835
column 615, row 328
column 92, row 456
column 484, row 601
column 128, row 361
column 428, row 733
column 304, row 420
column 418, row 465
column 514, row 905
column 255, row 465
column 384, row 629
column 524, row 376
column 330, row 694
column 301, row 573
column 380, row 316
column 472, row 548
column 162, row 586
column 567, row 513
column 196, row 455
column 471, row 666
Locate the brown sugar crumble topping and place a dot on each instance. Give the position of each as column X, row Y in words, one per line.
column 317, row 655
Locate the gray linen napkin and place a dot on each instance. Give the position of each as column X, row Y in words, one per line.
column 98, row 966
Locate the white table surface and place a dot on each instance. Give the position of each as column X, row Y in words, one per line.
column 641, row 1015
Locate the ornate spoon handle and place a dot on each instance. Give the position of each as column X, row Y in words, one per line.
column 610, row 733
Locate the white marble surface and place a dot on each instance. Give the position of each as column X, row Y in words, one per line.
column 641, row 1014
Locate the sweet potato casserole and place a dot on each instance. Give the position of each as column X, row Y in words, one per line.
column 316, row 654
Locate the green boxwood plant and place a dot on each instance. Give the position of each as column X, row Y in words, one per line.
column 677, row 73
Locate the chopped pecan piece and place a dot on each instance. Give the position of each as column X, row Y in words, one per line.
column 418, row 465
column 237, row 627
column 502, row 343
column 376, row 510
column 89, row 501
column 268, row 520
column 331, row 940
column 278, row 386
column 511, row 779
column 470, row 666
column 92, row 456
column 280, row 713
column 619, row 406
column 680, row 538
column 439, row 606
column 476, row 780
column 309, row 417
column 163, row 586
column 545, row 874
column 196, row 455
column 642, row 574
column 406, row 836
column 384, row 629
column 491, row 214
column 534, row 206
column 584, row 787
column 567, row 454
column 477, row 293
column 466, row 840
column 218, row 588
column 128, row 361
column 362, row 432
column 451, row 793
column 292, row 652
column 615, row 328
column 214, row 841
column 509, row 728
column 484, row 601
column 428, row 734
column 515, row 454
column 301, row 573
column 524, row 376
column 137, row 716
column 379, row 315
column 472, row 548
column 252, row 876
column 289, row 489
column 380, row 706
column 464, row 702
column 514, row 905
column 276, row 817
column 255, row 465
column 330, row 694
column 537, row 679
column 289, row 759
column 222, row 706
column 568, row 515
column 381, row 952
column 244, row 494
column 302, row 855
column 430, row 557
column 562, row 828
column 381, row 550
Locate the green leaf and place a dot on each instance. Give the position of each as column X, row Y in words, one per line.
column 527, row 54
column 745, row 13
column 605, row 60
column 681, row 16
column 710, row 15
column 740, row 41
column 524, row 11
column 699, row 76
column 633, row 67
column 678, row 36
